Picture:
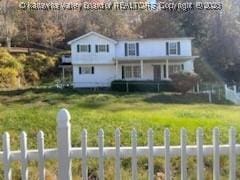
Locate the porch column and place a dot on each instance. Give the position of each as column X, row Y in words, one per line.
column 116, row 70
column 141, row 62
column 167, row 72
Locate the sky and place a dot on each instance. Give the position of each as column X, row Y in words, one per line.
column 152, row 1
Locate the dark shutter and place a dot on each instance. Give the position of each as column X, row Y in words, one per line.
column 78, row 48
column 96, row 48
column 167, row 48
column 80, row 70
column 182, row 66
column 89, row 48
column 123, row 72
column 107, row 48
column 137, row 48
column 164, row 71
column 126, row 50
column 178, row 47
column 92, row 69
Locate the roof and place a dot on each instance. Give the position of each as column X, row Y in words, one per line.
column 127, row 39
column 155, row 58
column 92, row 33
column 145, row 39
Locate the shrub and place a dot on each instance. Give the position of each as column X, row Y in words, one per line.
column 8, row 61
column 10, row 69
column 38, row 67
column 184, row 81
column 8, row 77
column 141, row 86
column 29, row 69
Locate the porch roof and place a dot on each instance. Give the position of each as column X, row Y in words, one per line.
column 171, row 58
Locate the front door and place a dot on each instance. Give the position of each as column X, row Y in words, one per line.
column 157, row 72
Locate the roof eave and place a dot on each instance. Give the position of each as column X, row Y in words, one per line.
column 90, row 33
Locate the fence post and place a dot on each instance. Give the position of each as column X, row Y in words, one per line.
column 235, row 89
column 183, row 139
column 210, row 96
column 225, row 90
column 6, row 157
column 198, row 88
column 167, row 154
column 64, row 145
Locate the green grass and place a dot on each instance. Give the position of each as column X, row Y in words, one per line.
column 35, row 109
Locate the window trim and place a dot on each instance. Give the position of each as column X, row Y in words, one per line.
column 174, row 65
column 135, row 49
column 106, row 46
column 169, row 48
column 83, row 72
column 133, row 77
column 81, row 45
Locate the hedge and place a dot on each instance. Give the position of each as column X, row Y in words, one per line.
column 141, row 86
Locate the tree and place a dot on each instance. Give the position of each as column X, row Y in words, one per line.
column 159, row 24
column 7, row 20
column 222, row 48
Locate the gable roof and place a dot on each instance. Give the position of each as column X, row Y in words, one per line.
column 155, row 39
column 92, row 33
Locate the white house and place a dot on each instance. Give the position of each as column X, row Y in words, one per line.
column 98, row 60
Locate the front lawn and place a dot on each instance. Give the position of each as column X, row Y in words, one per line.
column 35, row 109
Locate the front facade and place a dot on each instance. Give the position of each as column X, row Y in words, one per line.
column 98, row 60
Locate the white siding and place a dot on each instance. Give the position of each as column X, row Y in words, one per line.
column 102, row 77
column 92, row 57
column 157, row 47
column 188, row 66
column 186, row 47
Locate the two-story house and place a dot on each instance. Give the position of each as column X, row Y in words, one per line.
column 98, row 60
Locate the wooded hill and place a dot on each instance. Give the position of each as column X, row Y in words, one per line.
column 216, row 32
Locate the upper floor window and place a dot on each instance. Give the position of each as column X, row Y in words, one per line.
column 131, row 49
column 102, row 48
column 83, row 48
column 173, row 48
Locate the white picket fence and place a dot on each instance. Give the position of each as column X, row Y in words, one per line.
column 232, row 94
column 64, row 153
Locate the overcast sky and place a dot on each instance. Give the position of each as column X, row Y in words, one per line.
column 152, row 1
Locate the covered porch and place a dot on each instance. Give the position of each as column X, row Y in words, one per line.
column 154, row 69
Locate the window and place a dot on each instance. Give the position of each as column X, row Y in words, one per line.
column 174, row 68
column 86, row 70
column 132, row 49
column 84, row 48
column 173, row 48
column 136, row 71
column 131, row 72
column 102, row 48
column 182, row 65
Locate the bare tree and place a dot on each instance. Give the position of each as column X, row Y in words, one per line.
column 7, row 23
